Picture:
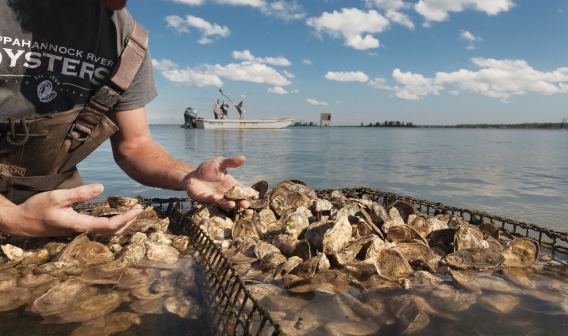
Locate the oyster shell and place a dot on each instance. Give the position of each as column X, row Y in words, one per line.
column 477, row 259
column 405, row 209
column 410, row 316
column 468, row 236
column 58, row 298
column 337, row 237
column 352, row 328
column 13, row 298
column 89, row 308
column 161, row 253
column 290, row 194
column 500, row 303
column 521, row 252
column 391, row 265
column 184, row 307
column 295, row 224
column 108, row 325
column 240, row 192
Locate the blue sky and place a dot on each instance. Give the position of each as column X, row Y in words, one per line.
column 424, row 61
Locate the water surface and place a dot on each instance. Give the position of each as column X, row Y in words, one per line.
column 522, row 174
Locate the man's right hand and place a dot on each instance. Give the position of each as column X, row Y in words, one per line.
column 49, row 214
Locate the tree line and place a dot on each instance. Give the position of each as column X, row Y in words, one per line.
column 388, row 123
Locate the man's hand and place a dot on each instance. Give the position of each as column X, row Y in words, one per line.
column 210, row 180
column 49, row 214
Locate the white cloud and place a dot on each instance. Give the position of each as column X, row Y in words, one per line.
column 191, row 2
column 285, row 10
column 495, row 78
column 438, row 10
column 251, row 72
column 379, row 83
column 400, row 18
column 353, row 25
column 350, row 76
column 414, row 86
column 210, row 75
column 306, row 61
column 295, row 91
column 246, row 55
column 278, row 90
column 470, row 39
column 208, row 30
column 312, row 101
column 288, row 74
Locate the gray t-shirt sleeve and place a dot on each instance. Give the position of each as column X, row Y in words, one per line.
column 142, row 90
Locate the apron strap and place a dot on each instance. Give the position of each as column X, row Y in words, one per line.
column 33, row 183
column 109, row 94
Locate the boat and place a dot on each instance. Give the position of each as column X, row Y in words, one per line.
column 221, row 118
column 242, row 123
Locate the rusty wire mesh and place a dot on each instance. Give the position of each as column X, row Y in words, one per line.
column 231, row 308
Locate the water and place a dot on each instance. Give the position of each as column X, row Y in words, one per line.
column 522, row 174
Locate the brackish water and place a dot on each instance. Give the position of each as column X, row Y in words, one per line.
column 522, row 174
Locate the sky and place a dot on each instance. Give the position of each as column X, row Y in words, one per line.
column 421, row 61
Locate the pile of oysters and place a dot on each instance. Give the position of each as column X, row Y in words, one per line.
column 331, row 265
column 101, row 285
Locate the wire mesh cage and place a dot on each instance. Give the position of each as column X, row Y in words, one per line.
column 232, row 310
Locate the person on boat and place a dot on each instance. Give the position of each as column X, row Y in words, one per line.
column 241, row 109
column 225, row 110
column 73, row 74
column 217, row 113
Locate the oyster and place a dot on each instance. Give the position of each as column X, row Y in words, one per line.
column 295, row 224
column 477, row 259
column 89, row 308
column 262, row 187
column 468, row 236
column 143, row 307
column 451, row 299
column 13, row 298
column 405, row 209
column 500, row 303
column 352, row 249
column 108, row 325
column 240, row 192
column 118, row 202
column 161, row 253
column 521, row 252
column 58, row 298
column 32, row 280
column 352, row 328
column 391, row 265
column 410, row 316
column 14, row 252
column 290, row 194
column 337, row 237
column 183, row 307
column 313, row 265
column 262, row 249
column 93, row 253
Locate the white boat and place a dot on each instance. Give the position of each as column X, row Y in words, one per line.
column 242, row 123
column 221, row 118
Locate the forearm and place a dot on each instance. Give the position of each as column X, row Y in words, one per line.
column 147, row 162
column 6, row 215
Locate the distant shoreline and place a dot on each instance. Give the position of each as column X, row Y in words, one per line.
column 543, row 126
column 549, row 126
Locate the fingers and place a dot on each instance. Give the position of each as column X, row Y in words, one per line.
column 107, row 226
column 226, row 204
column 244, row 204
column 66, row 197
column 232, row 162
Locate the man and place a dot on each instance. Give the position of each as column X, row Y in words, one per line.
column 73, row 73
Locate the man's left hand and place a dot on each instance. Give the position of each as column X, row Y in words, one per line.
column 210, row 180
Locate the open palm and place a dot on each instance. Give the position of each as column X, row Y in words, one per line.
column 210, row 180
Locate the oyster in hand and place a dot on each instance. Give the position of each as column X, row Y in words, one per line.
column 240, row 192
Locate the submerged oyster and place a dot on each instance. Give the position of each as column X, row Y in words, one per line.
column 108, row 325
column 475, row 258
column 13, row 298
column 58, row 298
column 183, row 307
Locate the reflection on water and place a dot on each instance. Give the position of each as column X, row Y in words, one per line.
column 522, row 174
